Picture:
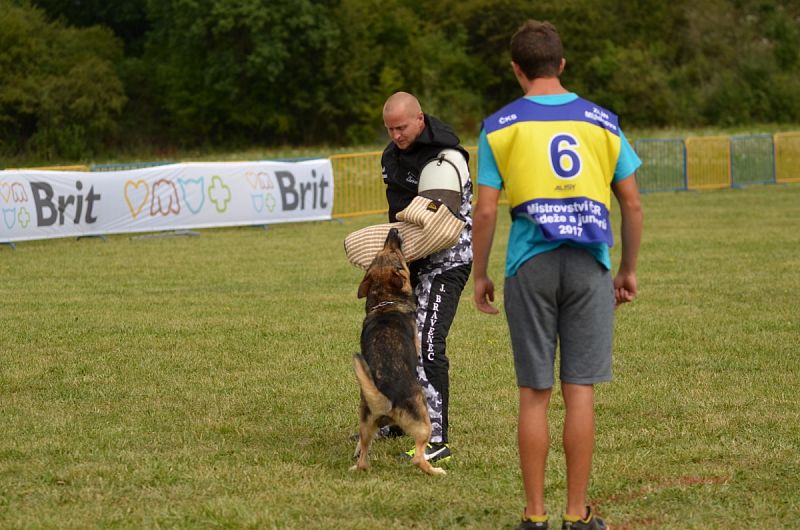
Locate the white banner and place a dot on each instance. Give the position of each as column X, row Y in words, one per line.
column 37, row 204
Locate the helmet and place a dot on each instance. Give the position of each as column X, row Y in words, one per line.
column 443, row 178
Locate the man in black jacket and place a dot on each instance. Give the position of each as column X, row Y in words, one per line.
column 438, row 279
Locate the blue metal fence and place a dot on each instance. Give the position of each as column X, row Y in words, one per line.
column 124, row 167
column 752, row 159
column 663, row 165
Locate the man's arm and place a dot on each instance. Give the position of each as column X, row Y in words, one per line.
column 484, row 220
column 627, row 194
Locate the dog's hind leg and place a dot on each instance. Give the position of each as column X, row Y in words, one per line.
column 366, row 433
column 418, row 426
column 362, row 448
column 419, row 457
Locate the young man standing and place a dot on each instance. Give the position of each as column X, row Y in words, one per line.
column 559, row 157
column 438, row 279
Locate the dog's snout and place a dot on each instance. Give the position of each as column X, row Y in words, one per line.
column 394, row 239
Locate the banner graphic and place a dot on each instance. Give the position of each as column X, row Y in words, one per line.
column 36, row 204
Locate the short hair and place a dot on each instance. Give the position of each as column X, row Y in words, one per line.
column 403, row 100
column 537, row 50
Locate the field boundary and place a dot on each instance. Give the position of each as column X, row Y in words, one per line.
column 675, row 164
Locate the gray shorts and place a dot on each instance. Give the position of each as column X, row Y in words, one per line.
column 562, row 296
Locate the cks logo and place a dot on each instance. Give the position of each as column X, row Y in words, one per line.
column 506, row 119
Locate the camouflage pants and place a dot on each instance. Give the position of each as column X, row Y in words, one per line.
column 438, row 293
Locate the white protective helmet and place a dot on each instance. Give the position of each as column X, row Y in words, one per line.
column 443, row 178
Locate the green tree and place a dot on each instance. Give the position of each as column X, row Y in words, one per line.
column 233, row 71
column 489, row 26
column 411, row 50
column 59, row 93
column 244, row 72
column 126, row 18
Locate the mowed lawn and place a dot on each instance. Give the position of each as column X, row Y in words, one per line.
column 206, row 382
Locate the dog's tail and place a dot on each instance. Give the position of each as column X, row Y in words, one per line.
column 377, row 402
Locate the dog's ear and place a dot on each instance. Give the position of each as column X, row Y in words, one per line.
column 363, row 287
column 398, row 279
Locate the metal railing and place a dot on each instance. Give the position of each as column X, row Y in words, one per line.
column 787, row 157
column 663, row 165
column 696, row 163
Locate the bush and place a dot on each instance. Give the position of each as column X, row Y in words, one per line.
column 60, row 95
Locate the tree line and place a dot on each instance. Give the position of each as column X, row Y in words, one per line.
column 82, row 77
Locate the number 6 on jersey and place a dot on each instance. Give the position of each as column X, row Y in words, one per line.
column 563, row 158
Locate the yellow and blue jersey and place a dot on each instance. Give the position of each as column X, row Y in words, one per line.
column 556, row 156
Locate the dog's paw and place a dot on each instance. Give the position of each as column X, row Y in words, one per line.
column 356, row 468
column 437, row 471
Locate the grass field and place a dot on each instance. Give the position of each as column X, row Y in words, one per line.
column 206, row 382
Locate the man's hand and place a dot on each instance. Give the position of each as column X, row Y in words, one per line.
column 624, row 288
column 484, row 295
column 630, row 208
column 483, row 224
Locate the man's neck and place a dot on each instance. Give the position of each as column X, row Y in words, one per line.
column 544, row 86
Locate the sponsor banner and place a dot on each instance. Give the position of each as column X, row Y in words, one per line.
column 37, row 204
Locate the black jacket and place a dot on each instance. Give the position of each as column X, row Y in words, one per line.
column 401, row 168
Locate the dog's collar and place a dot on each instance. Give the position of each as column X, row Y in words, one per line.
column 382, row 304
column 402, row 305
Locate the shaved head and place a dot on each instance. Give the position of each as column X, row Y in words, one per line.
column 402, row 102
column 403, row 119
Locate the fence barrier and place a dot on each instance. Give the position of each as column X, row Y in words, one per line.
column 663, row 165
column 752, row 160
column 696, row 163
column 127, row 166
column 76, row 167
column 708, row 162
column 358, row 188
column 787, row 157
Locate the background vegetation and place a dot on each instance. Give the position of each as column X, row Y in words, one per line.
column 78, row 78
column 206, row 382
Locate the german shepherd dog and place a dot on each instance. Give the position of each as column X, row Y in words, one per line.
column 386, row 368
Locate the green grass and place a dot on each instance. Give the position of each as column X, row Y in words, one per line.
column 206, row 382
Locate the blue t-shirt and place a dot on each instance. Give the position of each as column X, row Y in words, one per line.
column 525, row 239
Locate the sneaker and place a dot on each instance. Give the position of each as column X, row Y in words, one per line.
column 591, row 522
column 434, row 452
column 533, row 522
